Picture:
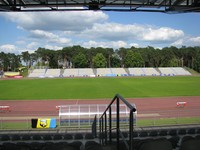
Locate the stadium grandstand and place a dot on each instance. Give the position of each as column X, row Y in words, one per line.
column 51, row 73
column 37, row 73
column 86, row 72
column 70, row 73
column 171, row 71
column 119, row 71
column 109, row 72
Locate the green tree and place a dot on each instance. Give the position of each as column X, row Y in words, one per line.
column 179, row 55
column 2, row 60
column 115, row 61
column 26, row 57
column 52, row 59
column 133, row 59
column 33, row 58
column 80, row 61
column 99, row 61
column 197, row 62
column 168, row 57
column 90, row 53
column 122, row 54
column 173, row 62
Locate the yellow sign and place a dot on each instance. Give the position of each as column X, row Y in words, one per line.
column 43, row 123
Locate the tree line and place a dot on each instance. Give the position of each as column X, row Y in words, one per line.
column 80, row 57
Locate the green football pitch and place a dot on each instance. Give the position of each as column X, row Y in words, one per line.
column 93, row 88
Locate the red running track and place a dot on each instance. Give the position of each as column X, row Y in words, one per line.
column 165, row 107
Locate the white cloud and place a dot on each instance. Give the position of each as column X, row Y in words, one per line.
column 49, row 37
column 112, row 44
column 32, row 45
column 113, row 31
column 89, row 29
column 134, row 45
column 42, row 34
column 116, row 32
column 187, row 41
column 64, row 41
column 53, row 47
column 162, row 34
column 8, row 48
column 178, row 43
column 195, row 40
column 21, row 42
column 59, row 21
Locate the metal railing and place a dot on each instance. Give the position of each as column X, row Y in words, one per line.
column 106, row 125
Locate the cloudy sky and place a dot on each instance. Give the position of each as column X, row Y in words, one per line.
column 54, row 30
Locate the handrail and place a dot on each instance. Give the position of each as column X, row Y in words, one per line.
column 103, row 121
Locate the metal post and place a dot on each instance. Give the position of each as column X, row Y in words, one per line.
column 1, row 124
column 27, row 123
column 89, row 115
column 79, row 118
column 131, row 131
column 110, row 125
column 105, row 128
column 102, row 136
column 117, row 123
column 69, row 116
column 100, row 131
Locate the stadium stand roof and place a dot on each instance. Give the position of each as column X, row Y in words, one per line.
column 167, row 6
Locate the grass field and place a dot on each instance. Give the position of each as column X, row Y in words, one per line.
column 92, row 88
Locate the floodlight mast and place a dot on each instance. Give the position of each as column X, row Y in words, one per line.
column 165, row 6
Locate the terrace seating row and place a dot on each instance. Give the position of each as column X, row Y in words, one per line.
column 45, row 137
column 180, row 71
column 186, row 142
column 171, row 71
column 41, row 146
column 52, row 73
column 82, row 72
column 89, row 72
column 37, row 73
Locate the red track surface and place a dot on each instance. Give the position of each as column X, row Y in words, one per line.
column 165, row 107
